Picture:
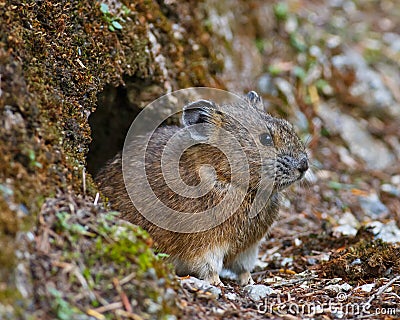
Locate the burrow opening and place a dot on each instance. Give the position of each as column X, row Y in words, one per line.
column 116, row 109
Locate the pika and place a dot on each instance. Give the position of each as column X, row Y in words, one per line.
column 276, row 158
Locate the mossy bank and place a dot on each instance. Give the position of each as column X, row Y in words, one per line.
column 61, row 254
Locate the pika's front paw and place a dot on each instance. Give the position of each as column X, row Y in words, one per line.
column 214, row 280
column 245, row 278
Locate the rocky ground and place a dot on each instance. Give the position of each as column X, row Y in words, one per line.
column 331, row 67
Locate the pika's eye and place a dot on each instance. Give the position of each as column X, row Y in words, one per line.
column 266, row 139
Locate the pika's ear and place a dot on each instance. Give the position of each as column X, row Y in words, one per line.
column 255, row 100
column 197, row 118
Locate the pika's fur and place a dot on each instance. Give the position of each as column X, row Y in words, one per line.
column 274, row 153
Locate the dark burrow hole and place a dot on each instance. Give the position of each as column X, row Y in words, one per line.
column 117, row 107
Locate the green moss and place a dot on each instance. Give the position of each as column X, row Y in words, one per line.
column 62, row 309
column 114, row 250
column 281, row 11
column 55, row 57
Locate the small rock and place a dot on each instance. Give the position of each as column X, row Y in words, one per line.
column 368, row 84
column 357, row 137
column 12, row 120
column 297, row 242
column 333, row 288
column 152, row 307
column 339, row 314
column 345, row 157
column 231, row 296
column 269, row 280
column 349, row 219
column 395, row 179
column 356, row 262
column 345, row 230
column 387, row 232
column 325, row 257
column 346, row 287
column 276, row 256
column 287, row 262
column 201, row 285
column 258, row 291
column 372, row 206
column 392, row 39
column 218, row 311
column 366, row 287
column 390, row 189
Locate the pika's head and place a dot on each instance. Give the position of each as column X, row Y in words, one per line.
column 273, row 150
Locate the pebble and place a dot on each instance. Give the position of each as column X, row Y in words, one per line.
column 348, row 218
column 356, row 262
column 297, row 242
column 333, row 288
column 368, row 85
column 393, row 40
column 231, row 296
column 346, row 287
column 287, row 262
column 372, row 206
column 357, row 137
column 345, row 230
column 218, row 311
column 390, row 189
column 388, row 232
column 258, row 291
column 348, row 225
column 367, row 287
column 325, row 257
column 201, row 285
column 395, row 179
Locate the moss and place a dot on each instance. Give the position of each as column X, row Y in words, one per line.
column 55, row 58
column 366, row 259
column 93, row 252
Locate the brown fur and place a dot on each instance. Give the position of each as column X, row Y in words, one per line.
column 239, row 232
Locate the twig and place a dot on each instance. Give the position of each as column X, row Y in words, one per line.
column 84, row 180
column 95, row 314
column 122, row 295
column 109, row 307
column 96, row 199
column 128, row 315
column 382, row 289
column 128, row 278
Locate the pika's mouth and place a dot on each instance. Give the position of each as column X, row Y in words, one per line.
column 287, row 170
column 301, row 175
column 283, row 184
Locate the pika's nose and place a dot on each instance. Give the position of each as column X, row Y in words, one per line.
column 303, row 165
